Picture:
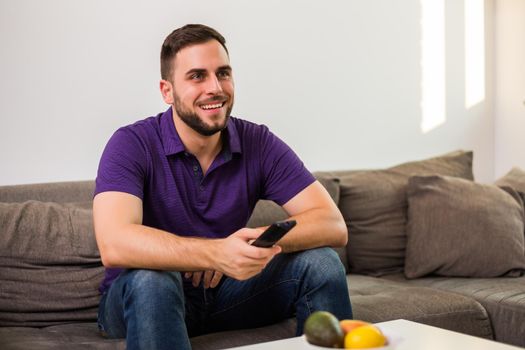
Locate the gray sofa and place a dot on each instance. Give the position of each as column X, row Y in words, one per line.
column 50, row 268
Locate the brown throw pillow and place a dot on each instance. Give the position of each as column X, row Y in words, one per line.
column 374, row 206
column 50, row 266
column 514, row 179
column 460, row 228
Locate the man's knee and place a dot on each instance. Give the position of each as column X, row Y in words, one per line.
column 154, row 284
column 323, row 265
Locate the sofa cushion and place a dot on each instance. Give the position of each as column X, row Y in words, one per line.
column 267, row 212
column 60, row 337
column 59, row 192
column 515, row 179
column 87, row 336
column 374, row 206
column 379, row 299
column 222, row 340
column 50, row 264
column 503, row 298
column 460, row 228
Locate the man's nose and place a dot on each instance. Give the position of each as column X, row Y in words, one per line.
column 213, row 85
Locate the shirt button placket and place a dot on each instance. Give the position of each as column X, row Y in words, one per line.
column 198, row 176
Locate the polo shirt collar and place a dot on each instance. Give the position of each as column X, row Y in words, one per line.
column 173, row 144
column 170, row 137
column 233, row 137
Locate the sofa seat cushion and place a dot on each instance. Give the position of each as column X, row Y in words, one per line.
column 60, row 337
column 86, row 336
column 228, row 339
column 502, row 297
column 379, row 299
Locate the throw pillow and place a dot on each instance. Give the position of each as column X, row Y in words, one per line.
column 374, row 206
column 514, row 179
column 49, row 262
column 460, row 228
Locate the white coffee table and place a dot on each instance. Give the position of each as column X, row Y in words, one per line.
column 405, row 335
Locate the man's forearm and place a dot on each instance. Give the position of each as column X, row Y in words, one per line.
column 124, row 242
column 139, row 246
column 316, row 228
column 149, row 248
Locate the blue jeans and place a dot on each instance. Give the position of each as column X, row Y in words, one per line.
column 161, row 310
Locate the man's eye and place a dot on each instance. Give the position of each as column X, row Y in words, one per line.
column 223, row 74
column 197, row 76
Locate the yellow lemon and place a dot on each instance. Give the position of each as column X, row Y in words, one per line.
column 364, row 337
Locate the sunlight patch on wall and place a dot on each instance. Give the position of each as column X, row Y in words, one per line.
column 474, row 52
column 432, row 64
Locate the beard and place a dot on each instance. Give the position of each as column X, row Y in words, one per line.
column 195, row 122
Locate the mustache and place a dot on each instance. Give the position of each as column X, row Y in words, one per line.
column 215, row 98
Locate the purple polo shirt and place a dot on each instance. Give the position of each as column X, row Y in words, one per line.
column 148, row 160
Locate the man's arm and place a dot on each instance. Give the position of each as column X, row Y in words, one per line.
column 124, row 242
column 319, row 221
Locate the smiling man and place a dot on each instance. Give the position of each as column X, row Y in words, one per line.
column 173, row 195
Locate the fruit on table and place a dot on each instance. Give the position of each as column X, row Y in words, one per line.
column 322, row 328
column 368, row 336
column 348, row 325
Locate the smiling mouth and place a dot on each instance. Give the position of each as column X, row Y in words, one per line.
column 208, row 107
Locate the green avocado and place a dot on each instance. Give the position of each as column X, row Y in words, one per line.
column 322, row 329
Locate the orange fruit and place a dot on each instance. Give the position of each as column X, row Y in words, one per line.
column 363, row 337
column 348, row 325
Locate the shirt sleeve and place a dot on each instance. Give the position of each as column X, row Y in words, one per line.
column 284, row 174
column 123, row 165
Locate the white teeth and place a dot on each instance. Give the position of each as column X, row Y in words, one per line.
column 218, row 105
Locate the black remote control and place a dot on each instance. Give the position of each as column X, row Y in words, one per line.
column 274, row 233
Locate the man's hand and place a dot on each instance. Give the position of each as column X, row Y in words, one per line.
column 237, row 258
column 211, row 278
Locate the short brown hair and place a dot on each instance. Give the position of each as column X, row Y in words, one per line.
column 182, row 37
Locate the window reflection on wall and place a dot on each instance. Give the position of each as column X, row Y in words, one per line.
column 474, row 52
column 432, row 64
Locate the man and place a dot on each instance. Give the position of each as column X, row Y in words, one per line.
column 173, row 195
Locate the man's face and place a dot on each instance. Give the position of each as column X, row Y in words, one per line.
column 203, row 87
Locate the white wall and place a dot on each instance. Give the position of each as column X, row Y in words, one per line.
column 340, row 81
column 510, row 85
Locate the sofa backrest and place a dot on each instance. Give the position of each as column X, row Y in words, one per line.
column 59, row 192
column 49, row 262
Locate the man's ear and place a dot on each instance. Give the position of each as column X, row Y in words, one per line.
column 166, row 89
